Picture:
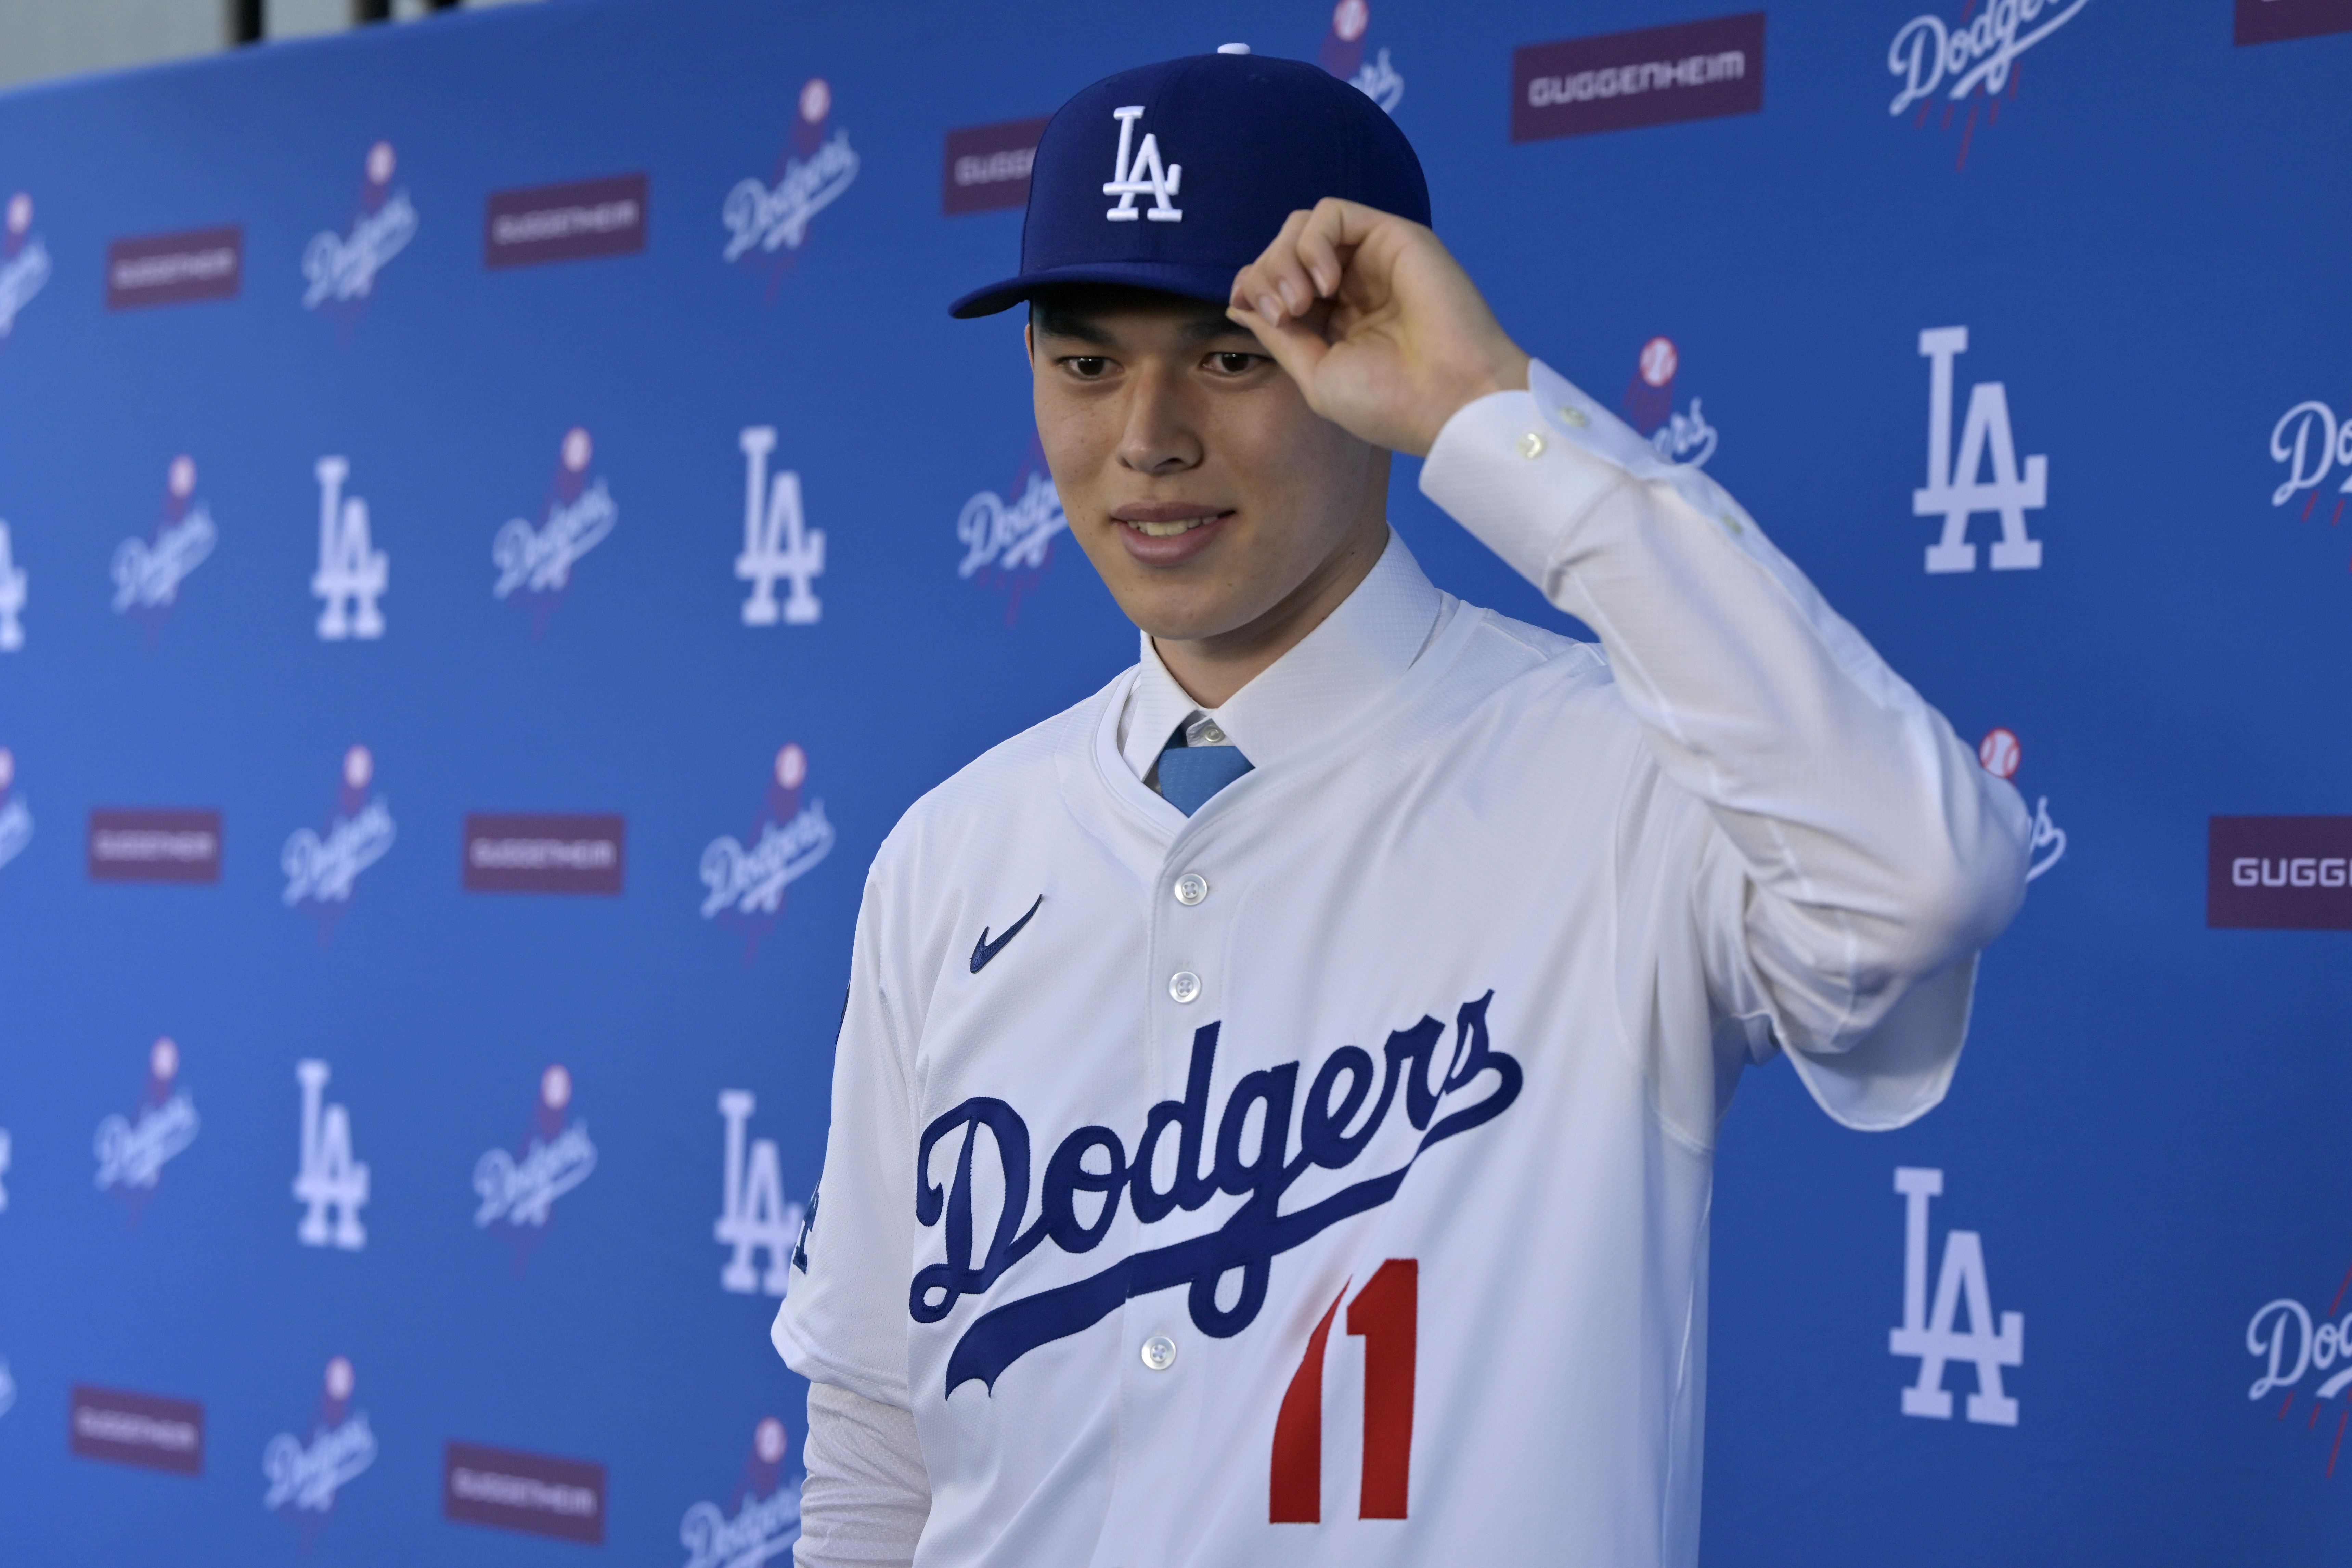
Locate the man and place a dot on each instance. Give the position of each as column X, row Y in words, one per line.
column 1273, row 1117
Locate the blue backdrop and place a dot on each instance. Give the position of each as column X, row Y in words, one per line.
column 2137, row 222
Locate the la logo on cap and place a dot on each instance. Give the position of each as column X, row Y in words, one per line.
column 1143, row 177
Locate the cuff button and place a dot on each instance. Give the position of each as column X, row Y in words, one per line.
column 1531, row 445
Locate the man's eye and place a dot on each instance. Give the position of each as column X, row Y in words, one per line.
column 1088, row 367
column 1235, row 363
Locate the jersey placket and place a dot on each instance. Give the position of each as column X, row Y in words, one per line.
column 1163, row 1358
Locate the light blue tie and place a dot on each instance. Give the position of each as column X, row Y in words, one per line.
column 1189, row 776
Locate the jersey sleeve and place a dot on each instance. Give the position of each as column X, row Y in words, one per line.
column 1857, row 856
column 843, row 1318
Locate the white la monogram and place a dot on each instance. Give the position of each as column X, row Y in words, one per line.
column 753, row 1217
column 1953, row 490
column 14, row 580
column 330, row 1180
column 1143, row 177
column 1931, row 1335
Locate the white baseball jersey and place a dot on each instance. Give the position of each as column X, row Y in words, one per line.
column 1324, row 1178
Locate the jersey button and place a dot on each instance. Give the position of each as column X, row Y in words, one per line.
column 1191, row 888
column 1159, row 1352
column 1184, row 986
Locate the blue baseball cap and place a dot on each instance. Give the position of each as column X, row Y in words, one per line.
column 1175, row 176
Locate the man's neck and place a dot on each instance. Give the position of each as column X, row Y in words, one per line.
column 1212, row 668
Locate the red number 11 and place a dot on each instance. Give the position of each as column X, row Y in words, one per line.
column 1385, row 1312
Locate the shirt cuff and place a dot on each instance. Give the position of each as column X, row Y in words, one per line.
column 1519, row 469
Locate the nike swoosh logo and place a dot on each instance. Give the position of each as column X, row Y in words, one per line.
column 984, row 949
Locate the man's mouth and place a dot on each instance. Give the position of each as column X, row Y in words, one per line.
column 1167, row 520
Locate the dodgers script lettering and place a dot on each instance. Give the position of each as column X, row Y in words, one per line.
column 1250, row 1238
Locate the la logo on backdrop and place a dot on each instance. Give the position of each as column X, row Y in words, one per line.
column 753, row 1216
column 743, row 885
column 767, row 221
column 133, row 1150
column 15, row 582
column 1955, row 491
column 762, row 1519
column 516, row 1191
column 1007, row 544
column 24, row 263
column 322, row 869
column 1933, row 1334
column 352, row 574
column 339, row 269
column 778, row 543
column 1973, row 61
column 1649, row 405
column 330, row 1184
column 535, row 561
column 2290, row 1342
column 148, row 570
column 15, row 816
column 306, row 1472
column 2001, row 754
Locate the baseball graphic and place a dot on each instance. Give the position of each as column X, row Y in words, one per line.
column 768, row 1441
column 340, row 1378
column 20, row 213
column 816, row 99
column 358, row 767
column 1349, row 19
column 555, row 1087
column 380, row 163
column 1659, row 361
column 577, row 449
column 183, row 476
column 792, row 766
column 2001, row 753
column 163, row 1060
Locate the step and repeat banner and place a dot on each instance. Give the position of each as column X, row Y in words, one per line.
column 496, row 523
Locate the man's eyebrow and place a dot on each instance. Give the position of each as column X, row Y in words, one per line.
column 1209, row 329
column 1069, row 324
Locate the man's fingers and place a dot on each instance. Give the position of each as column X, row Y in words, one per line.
column 1296, row 342
column 1334, row 228
column 1277, row 285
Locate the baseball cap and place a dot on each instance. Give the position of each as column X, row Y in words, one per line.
column 1175, row 176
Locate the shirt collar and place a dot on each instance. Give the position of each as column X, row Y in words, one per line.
column 1334, row 674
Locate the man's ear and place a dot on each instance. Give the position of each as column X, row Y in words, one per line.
column 1029, row 340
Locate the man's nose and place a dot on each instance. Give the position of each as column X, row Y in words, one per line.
column 1159, row 436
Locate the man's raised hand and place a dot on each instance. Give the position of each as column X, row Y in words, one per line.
column 1377, row 322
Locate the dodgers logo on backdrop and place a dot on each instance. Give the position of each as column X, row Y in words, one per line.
column 342, row 268
column 352, row 574
column 1342, row 55
column 2289, row 1341
column 516, row 1191
column 133, row 1150
column 2312, row 443
column 13, row 582
column 760, row 1523
column 1973, row 59
column 778, row 543
column 148, row 571
column 1251, row 1237
column 773, row 219
column 15, row 816
column 534, row 564
column 2001, row 754
column 1649, row 404
column 753, row 1216
column 1933, row 1334
column 1009, row 544
column 322, row 869
column 328, row 1183
column 306, row 1473
column 746, row 884
column 1954, row 491
column 24, row 263
column 1143, row 177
